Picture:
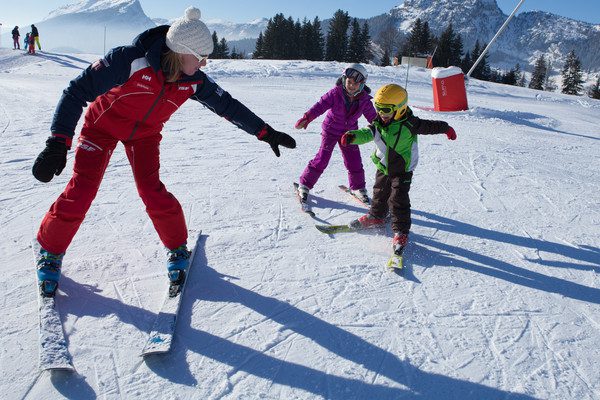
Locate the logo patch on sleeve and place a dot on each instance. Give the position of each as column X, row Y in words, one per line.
column 99, row 64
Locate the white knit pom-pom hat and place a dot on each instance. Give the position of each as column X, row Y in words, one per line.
column 189, row 35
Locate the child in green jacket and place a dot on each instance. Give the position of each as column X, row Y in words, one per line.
column 396, row 155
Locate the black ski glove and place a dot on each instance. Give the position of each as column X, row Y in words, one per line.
column 51, row 160
column 276, row 138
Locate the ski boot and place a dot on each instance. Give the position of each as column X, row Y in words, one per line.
column 399, row 243
column 303, row 193
column 367, row 221
column 177, row 265
column 362, row 195
column 48, row 272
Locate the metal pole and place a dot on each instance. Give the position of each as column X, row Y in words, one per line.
column 104, row 49
column 494, row 38
column 407, row 69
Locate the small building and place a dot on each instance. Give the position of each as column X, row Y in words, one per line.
column 424, row 62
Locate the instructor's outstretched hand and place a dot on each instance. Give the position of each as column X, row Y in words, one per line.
column 275, row 139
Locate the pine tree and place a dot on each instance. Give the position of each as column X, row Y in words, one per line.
column 388, row 39
column 304, row 39
column 216, row 50
column 411, row 47
column 365, row 39
column 311, row 40
column 466, row 62
column 235, row 55
column 385, row 58
column 444, row 55
column 521, row 82
column 594, row 91
column 258, row 49
column 274, row 38
column 293, row 48
column 268, row 39
column 281, row 33
column 317, row 48
column 572, row 82
column 224, row 48
column 509, row 78
column 337, row 38
column 456, row 49
column 550, row 85
column 425, row 40
column 355, row 46
column 519, row 76
column 482, row 71
column 538, row 77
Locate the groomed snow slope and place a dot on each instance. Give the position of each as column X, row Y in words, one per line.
column 500, row 299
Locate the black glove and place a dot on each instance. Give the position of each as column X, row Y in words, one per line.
column 276, row 138
column 51, row 160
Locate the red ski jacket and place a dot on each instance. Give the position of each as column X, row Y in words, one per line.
column 130, row 98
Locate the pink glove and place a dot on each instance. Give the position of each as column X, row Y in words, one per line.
column 451, row 133
column 302, row 122
column 347, row 138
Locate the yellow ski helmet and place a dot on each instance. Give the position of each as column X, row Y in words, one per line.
column 391, row 95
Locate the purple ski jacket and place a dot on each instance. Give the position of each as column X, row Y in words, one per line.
column 341, row 116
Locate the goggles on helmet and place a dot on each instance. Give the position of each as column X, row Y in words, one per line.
column 385, row 109
column 354, row 75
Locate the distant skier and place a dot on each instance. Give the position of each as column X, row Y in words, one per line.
column 133, row 91
column 26, row 41
column 16, row 36
column 36, row 36
column 396, row 154
column 346, row 102
column 31, row 44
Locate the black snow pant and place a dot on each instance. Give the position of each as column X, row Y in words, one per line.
column 390, row 193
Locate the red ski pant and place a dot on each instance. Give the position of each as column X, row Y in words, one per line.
column 93, row 152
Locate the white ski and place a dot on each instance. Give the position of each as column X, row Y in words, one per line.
column 161, row 337
column 54, row 354
column 345, row 188
column 304, row 206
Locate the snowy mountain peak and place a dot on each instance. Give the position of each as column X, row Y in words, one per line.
column 91, row 6
column 99, row 24
column 527, row 36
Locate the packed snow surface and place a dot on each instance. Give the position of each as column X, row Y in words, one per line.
column 500, row 298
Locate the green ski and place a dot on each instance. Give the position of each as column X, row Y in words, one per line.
column 330, row 229
column 395, row 262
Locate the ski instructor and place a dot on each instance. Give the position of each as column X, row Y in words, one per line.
column 133, row 91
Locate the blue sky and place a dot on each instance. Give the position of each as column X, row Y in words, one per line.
column 15, row 13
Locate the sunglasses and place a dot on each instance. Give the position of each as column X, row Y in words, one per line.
column 384, row 109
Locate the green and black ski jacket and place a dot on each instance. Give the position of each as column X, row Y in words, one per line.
column 396, row 144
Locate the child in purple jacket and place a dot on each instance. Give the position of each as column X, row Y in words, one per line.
column 346, row 102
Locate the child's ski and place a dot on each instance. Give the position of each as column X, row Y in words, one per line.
column 163, row 330
column 331, row 229
column 304, row 206
column 351, row 193
column 395, row 263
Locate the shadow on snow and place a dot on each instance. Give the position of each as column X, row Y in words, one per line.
column 501, row 269
column 208, row 285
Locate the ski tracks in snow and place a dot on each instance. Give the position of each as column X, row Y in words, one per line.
column 6, row 120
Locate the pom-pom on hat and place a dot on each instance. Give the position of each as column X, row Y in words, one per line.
column 189, row 35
